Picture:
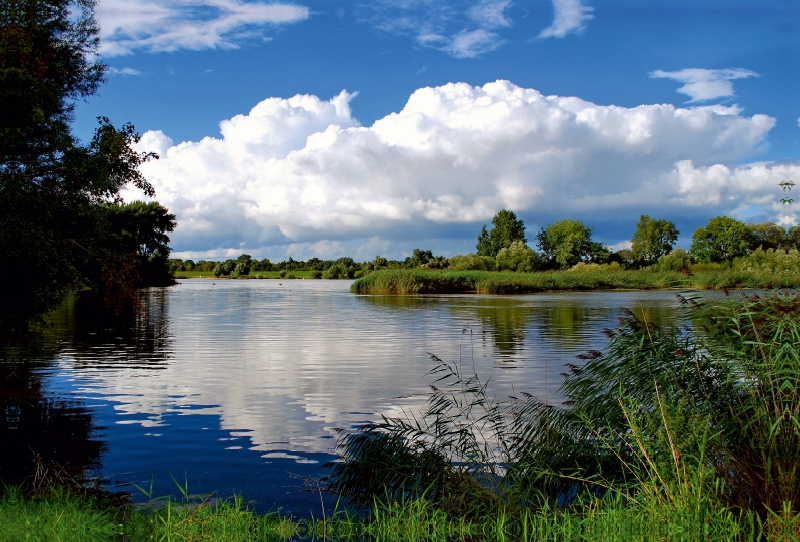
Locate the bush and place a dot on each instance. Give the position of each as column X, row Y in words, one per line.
column 779, row 262
column 224, row 269
column 316, row 274
column 471, row 262
column 589, row 267
column 518, row 257
column 677, row 260
column 339, row 271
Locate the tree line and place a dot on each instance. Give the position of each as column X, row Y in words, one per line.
column 561, row 245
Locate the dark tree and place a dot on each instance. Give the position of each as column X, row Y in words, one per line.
column 506, row 229
column 54, row 192
column 767, row 235
column 568, row 242
column 652, row 239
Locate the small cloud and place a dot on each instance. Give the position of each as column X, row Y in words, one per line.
column 423, row 69
column 490, row 14
column 570, row 16
column 462, row 29
column 340, row 12
column 473, row 43
column 124, row 71
column 171, row 25
column 702, row 85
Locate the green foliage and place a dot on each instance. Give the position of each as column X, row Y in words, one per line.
column 768, row 235
column 60, row 205
column 506, row 229
column 567, row 242
column 472, row 262
column 604, row 277
column 721, row 240
column 677, row 260
column 339, row 271
column 518, row 257
column 653, row 239
column 225, row 268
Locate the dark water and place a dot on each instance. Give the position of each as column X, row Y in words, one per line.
column 237, row 386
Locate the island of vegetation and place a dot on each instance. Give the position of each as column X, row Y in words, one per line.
column 726, row 253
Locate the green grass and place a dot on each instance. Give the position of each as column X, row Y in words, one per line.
column 422, row 281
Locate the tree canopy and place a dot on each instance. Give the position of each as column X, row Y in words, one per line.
column 566, row 242
column 62, row 219
column 721, row 240
column 506, row 229
column 652, row 239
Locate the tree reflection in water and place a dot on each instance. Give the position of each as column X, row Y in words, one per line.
column 41, row 427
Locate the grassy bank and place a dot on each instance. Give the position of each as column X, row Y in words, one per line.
column 423, row 281
column 62, row 517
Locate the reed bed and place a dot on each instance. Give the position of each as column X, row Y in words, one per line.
column 428, row 281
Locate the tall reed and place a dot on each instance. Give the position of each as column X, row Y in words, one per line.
column 698, row 422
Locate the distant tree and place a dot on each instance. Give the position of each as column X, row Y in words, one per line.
column 205, row 266
column 517, row 257
column 624, row 257
column 418, row 259
column 652, row 239
column 793, row 239
column 506, row 229
column 767, row 235
column 721, row 240
column 243, row 264
column 225, row 268
column 188, row 265
column 567, row 242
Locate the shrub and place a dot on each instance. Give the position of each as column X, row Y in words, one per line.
column 677, row 260
column 518, row 257
column 471, row 262
column 339, row 271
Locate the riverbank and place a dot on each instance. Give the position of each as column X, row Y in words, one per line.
column 62, row 517
column 424, row 281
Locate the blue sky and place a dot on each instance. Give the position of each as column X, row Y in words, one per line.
column 681, row 109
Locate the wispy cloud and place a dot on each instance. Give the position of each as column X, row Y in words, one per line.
column 170, row 25
column 123, row 71
column 702, row 85
column 570, row 16
column 463, row 31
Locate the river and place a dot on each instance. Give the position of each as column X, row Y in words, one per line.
column 237, row 385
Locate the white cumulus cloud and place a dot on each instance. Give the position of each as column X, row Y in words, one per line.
column 302, row 171
column 170, row 25
column 569, row 16
column 702, row 85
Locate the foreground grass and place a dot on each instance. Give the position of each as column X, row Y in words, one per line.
column 423, row 281
column 67, row 518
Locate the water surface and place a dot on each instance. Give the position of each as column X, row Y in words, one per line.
column 238, row 385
